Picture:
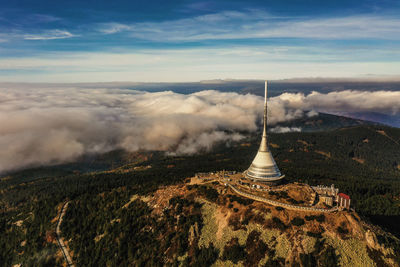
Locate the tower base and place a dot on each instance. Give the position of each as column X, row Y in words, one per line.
column 271, row 181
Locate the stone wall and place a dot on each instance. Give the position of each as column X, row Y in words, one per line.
column 276, row 203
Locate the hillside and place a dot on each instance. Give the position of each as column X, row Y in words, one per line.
column 201, row 225
column 361, row 160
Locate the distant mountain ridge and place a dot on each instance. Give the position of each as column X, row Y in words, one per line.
column 323, row 122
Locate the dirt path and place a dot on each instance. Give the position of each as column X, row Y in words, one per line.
column 64, row 250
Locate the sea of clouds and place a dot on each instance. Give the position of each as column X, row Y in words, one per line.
column 41, row 126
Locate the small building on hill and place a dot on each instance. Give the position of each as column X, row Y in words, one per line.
column 343, row 201
column 326, row 190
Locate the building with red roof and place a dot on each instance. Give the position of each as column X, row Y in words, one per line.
column 343, row 201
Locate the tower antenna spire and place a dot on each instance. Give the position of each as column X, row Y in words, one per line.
column 264, row 168
column 264, row 140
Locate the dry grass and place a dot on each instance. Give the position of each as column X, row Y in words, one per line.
column 303, row 142
column 326, row 154
column 133, row 198
column 220, row 263
column 222, row 221
column 19, row 223
column 274, row 145
column 381, row 132
column 99, row 237
column 359, row 160
column 161, row 197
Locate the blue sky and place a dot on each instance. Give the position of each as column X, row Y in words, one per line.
column 177, row 41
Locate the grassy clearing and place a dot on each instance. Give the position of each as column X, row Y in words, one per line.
column 283, row 247
column 272, row 237
column 352, row 252
column 220, row 263
column 210, row 227
column 308, row 244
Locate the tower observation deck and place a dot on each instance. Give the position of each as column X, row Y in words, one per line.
column 264, row 168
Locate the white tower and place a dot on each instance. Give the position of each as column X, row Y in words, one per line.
column 264, row 168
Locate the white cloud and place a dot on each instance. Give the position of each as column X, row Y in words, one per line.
column 50, row 35
column 54, row 125
column 386, row 102
column 112, row 27
column 260, row 24
column 280, row 129
column 312, row 113
column 41, row 18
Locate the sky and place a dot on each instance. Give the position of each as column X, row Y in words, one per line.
column 180, row 41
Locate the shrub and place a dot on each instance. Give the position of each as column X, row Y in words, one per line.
column 252, row 239
column 234, row 221
column 272, row 193
column 210, row 193
column 265, row 210
column 308, row 260
column 295, row 202
column 277, row 223
column 297, row 221
column 255, row 248
column 328, row 258
column 275, row 262
column 319, row 245
column 309, row 217
column 320, row 218
column 240, row 200
column 259, row 219
column 190, row 187
column 234, row 252
column 205, row 256
column 284, row 194
column 342, row 230
column 381, row 239
column 316, row 235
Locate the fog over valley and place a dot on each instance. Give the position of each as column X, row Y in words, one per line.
column 51, row 125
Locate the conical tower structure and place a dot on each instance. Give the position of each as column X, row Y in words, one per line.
column 264, row 168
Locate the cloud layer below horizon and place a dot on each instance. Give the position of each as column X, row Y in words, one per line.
column 42, row 126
